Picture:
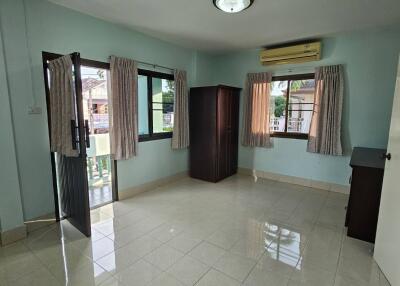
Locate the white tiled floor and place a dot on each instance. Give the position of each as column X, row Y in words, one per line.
column 236, row 232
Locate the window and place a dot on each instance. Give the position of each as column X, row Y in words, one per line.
column 155, row 105
column 292, row 103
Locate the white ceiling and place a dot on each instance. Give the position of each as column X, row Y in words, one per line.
column 198, row 24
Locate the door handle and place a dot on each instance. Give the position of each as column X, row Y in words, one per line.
column 387, row 156
column 73, row 134
column 87, row 138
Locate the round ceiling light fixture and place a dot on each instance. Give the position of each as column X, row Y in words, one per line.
column 232, row 6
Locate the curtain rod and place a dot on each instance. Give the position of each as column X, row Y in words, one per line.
column 299, row 68
column 153, row 65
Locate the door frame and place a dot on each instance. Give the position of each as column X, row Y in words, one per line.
column 47, row 56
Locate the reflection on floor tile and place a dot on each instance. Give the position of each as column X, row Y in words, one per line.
column 100, row 195
column 236, row 232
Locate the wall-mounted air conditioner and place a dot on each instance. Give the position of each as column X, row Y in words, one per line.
column 291, row 54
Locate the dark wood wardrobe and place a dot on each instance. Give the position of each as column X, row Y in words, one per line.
column 214, row 132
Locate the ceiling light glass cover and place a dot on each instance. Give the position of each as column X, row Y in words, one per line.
column 232, row 6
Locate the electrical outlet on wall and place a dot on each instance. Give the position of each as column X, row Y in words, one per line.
column 34, row 110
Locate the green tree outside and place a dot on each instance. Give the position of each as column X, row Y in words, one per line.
column 280, row 101
column 280, row 106
column 168, row 97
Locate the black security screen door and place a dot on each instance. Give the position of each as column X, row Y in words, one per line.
column 69, row 173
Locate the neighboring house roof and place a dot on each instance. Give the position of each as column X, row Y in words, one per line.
column 94, row 88
column 307, row 87
column 90, row 83
column 303, row 91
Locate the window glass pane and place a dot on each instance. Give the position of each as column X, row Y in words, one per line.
column 278, row 105
column 302, row 90
column 301, row 102
column 299, row 121
column 142, row 105
column 163, row 108
column 95, row 99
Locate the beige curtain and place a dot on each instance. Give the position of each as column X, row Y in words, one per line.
column 325, row 130
column 257, row 110
column 180, row 137
column 62, row 106
column 123, row 124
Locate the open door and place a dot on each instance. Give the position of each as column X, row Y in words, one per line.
column 69, row 173
column 387, row 250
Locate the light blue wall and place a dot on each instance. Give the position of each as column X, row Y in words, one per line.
column 56, row 29
column 370, row 59
column 156, row 162
column 204, row 69
column 10, row 198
